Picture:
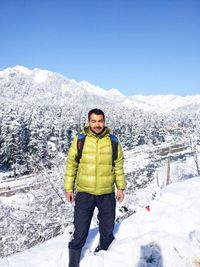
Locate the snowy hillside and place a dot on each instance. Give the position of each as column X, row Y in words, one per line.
column 165, row 234
column 35, row 85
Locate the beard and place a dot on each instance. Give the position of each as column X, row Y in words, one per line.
column 98, row 130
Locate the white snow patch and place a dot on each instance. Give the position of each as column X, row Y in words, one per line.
column 41, row 76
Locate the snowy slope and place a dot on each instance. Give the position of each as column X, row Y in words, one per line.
column 21, row 83
column 167, row 235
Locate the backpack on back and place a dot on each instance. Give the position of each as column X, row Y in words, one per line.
column 81, row 141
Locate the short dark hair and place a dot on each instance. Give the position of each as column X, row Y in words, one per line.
column 97, row 112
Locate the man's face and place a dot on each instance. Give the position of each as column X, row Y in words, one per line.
column 96, row 123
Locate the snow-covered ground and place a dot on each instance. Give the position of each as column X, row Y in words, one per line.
column 34, row 209
column 165, row 235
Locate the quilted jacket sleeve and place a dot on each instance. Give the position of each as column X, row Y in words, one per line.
column 119, row 170
column 71, row 167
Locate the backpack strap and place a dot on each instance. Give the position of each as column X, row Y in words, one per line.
column 114, row 143
column 80, row 144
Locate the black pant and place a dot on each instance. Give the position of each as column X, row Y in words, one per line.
column 84, row 207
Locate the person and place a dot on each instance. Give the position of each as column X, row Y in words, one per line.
column 95, row 178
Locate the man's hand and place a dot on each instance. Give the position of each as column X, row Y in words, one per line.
column 120, row 195
column 69, row 196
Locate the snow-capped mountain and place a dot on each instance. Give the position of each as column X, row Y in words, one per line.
column 167, row 103
column 21, row 83
column 35, row 85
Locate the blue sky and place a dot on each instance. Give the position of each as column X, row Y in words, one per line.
column 137, row 46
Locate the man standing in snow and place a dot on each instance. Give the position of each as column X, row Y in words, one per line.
column 95, row 165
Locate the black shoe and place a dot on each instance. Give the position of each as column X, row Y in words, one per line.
column 74, row 257
column 97, row 249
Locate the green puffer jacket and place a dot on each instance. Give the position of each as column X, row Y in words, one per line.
column 95, row 173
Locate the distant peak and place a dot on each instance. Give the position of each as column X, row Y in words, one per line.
column 84, row 83
column 115, row 91
column 90, row 86
column 22, row 69
column 16, row 69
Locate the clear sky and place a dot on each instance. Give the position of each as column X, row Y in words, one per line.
column 137, row 46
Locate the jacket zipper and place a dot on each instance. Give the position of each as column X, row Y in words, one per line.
column 96, row 162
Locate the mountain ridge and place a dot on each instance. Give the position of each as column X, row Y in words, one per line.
column 22, row 83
